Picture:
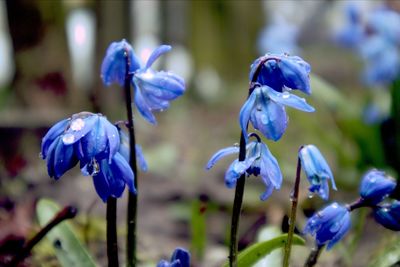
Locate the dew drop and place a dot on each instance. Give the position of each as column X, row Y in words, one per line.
column 259, row 108
column 310, row 195
column 77, row 124
column 335, row 227
column 68, row 139
column 285, row 95
column 335, row 205
column 236, row 144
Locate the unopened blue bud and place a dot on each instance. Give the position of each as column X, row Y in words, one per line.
column 388, row 215
column 375, row 186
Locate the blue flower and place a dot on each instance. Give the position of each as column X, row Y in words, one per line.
column 353, row 32
column 388, row 215
column 94, row 142
column 317, row 171
column 259, row 161
column 281, row 72
column 375, row 186
column 113, row 68
column 329, row 225
column 154, row 89
column 265, row 110
column 180, row 258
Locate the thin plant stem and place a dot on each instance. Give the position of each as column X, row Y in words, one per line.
column 132, row 198
column 314, row 255
column 112, row 241
column 292, row 217
column 68, row 212
column 237, row 207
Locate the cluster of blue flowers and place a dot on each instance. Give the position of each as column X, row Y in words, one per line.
column 333, row 222
column 153, row 89
column 376, row 37
column 101, row 148
column 95, row 143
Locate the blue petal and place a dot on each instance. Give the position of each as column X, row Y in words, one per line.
column 102, row 186
column 245, row 111
column 112, row 137
column 54, row 132
column 183, row 256
column 389, row 215
column 163, row 85
column 64, row 159
column 121, row 169
column 94, row 143
column 113, row 67
column 270, row 170
column 140, row 158
column 375, row 186
column 143, row 107
column 295, row 74
column 156, row 54
column 268, row 191
column 345, row 224
column 269, row 118
column 78, row 128
column 51, row 157
column 163, row 263
column 288, row 99
column 220, row 154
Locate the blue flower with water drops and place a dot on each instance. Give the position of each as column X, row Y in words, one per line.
column 281, row 72
column 113, row 68
column 155, row 89
column 259, row 161
column 329, row 225
column 317, row 170
column 94, row 142
column 180, row 258
column 388, row 215
column 265, row 109
column 376, row 186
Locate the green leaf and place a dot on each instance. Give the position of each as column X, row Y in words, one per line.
column 257, row 251
column 68, row 249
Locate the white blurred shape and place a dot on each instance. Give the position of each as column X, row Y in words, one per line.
column 179, row 61
column 7, row 66
column 208, row 83
column 81, row 33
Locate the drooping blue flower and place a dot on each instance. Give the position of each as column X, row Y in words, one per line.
column 113, row 68
column 317, row 171
column 94, row 142
column 259, row 161
column 388, row 215
column 281, row 72
column 180, row 258
column 329, row 225
column 155, row 89
column 384, row 22
column 124, row 150
column 265, row 110
column 376, row 186
column 353, row 32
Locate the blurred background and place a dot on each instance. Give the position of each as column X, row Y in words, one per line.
column 50, row 57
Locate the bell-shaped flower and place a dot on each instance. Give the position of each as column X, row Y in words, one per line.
column 265, row 110
column 353, row 32
column 259, row 161
column 113, row 68
column 124, row 150
column 155, row 89
column 94, row 142
column 317, row 171
column 376, row 186
column 280, row 72
column 180, row 258
column 388, row 215
column 329, row 225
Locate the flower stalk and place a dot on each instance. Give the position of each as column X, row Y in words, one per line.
column 112, row 241
column 314, row 255
column 292, row 217
column 132, row 197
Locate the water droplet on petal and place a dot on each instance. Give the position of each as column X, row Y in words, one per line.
column 264, row 119
column 285, row 95
column 236, row 144
column 77, row 124
column 335, row 227
column 259, row 107
column 68, row 139
column 311, row 195
column 335, row 205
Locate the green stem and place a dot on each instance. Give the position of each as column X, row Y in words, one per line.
column 313, row 257
column 112, row 241
column 237, row 207
column 292, row 217
column 132, row 198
